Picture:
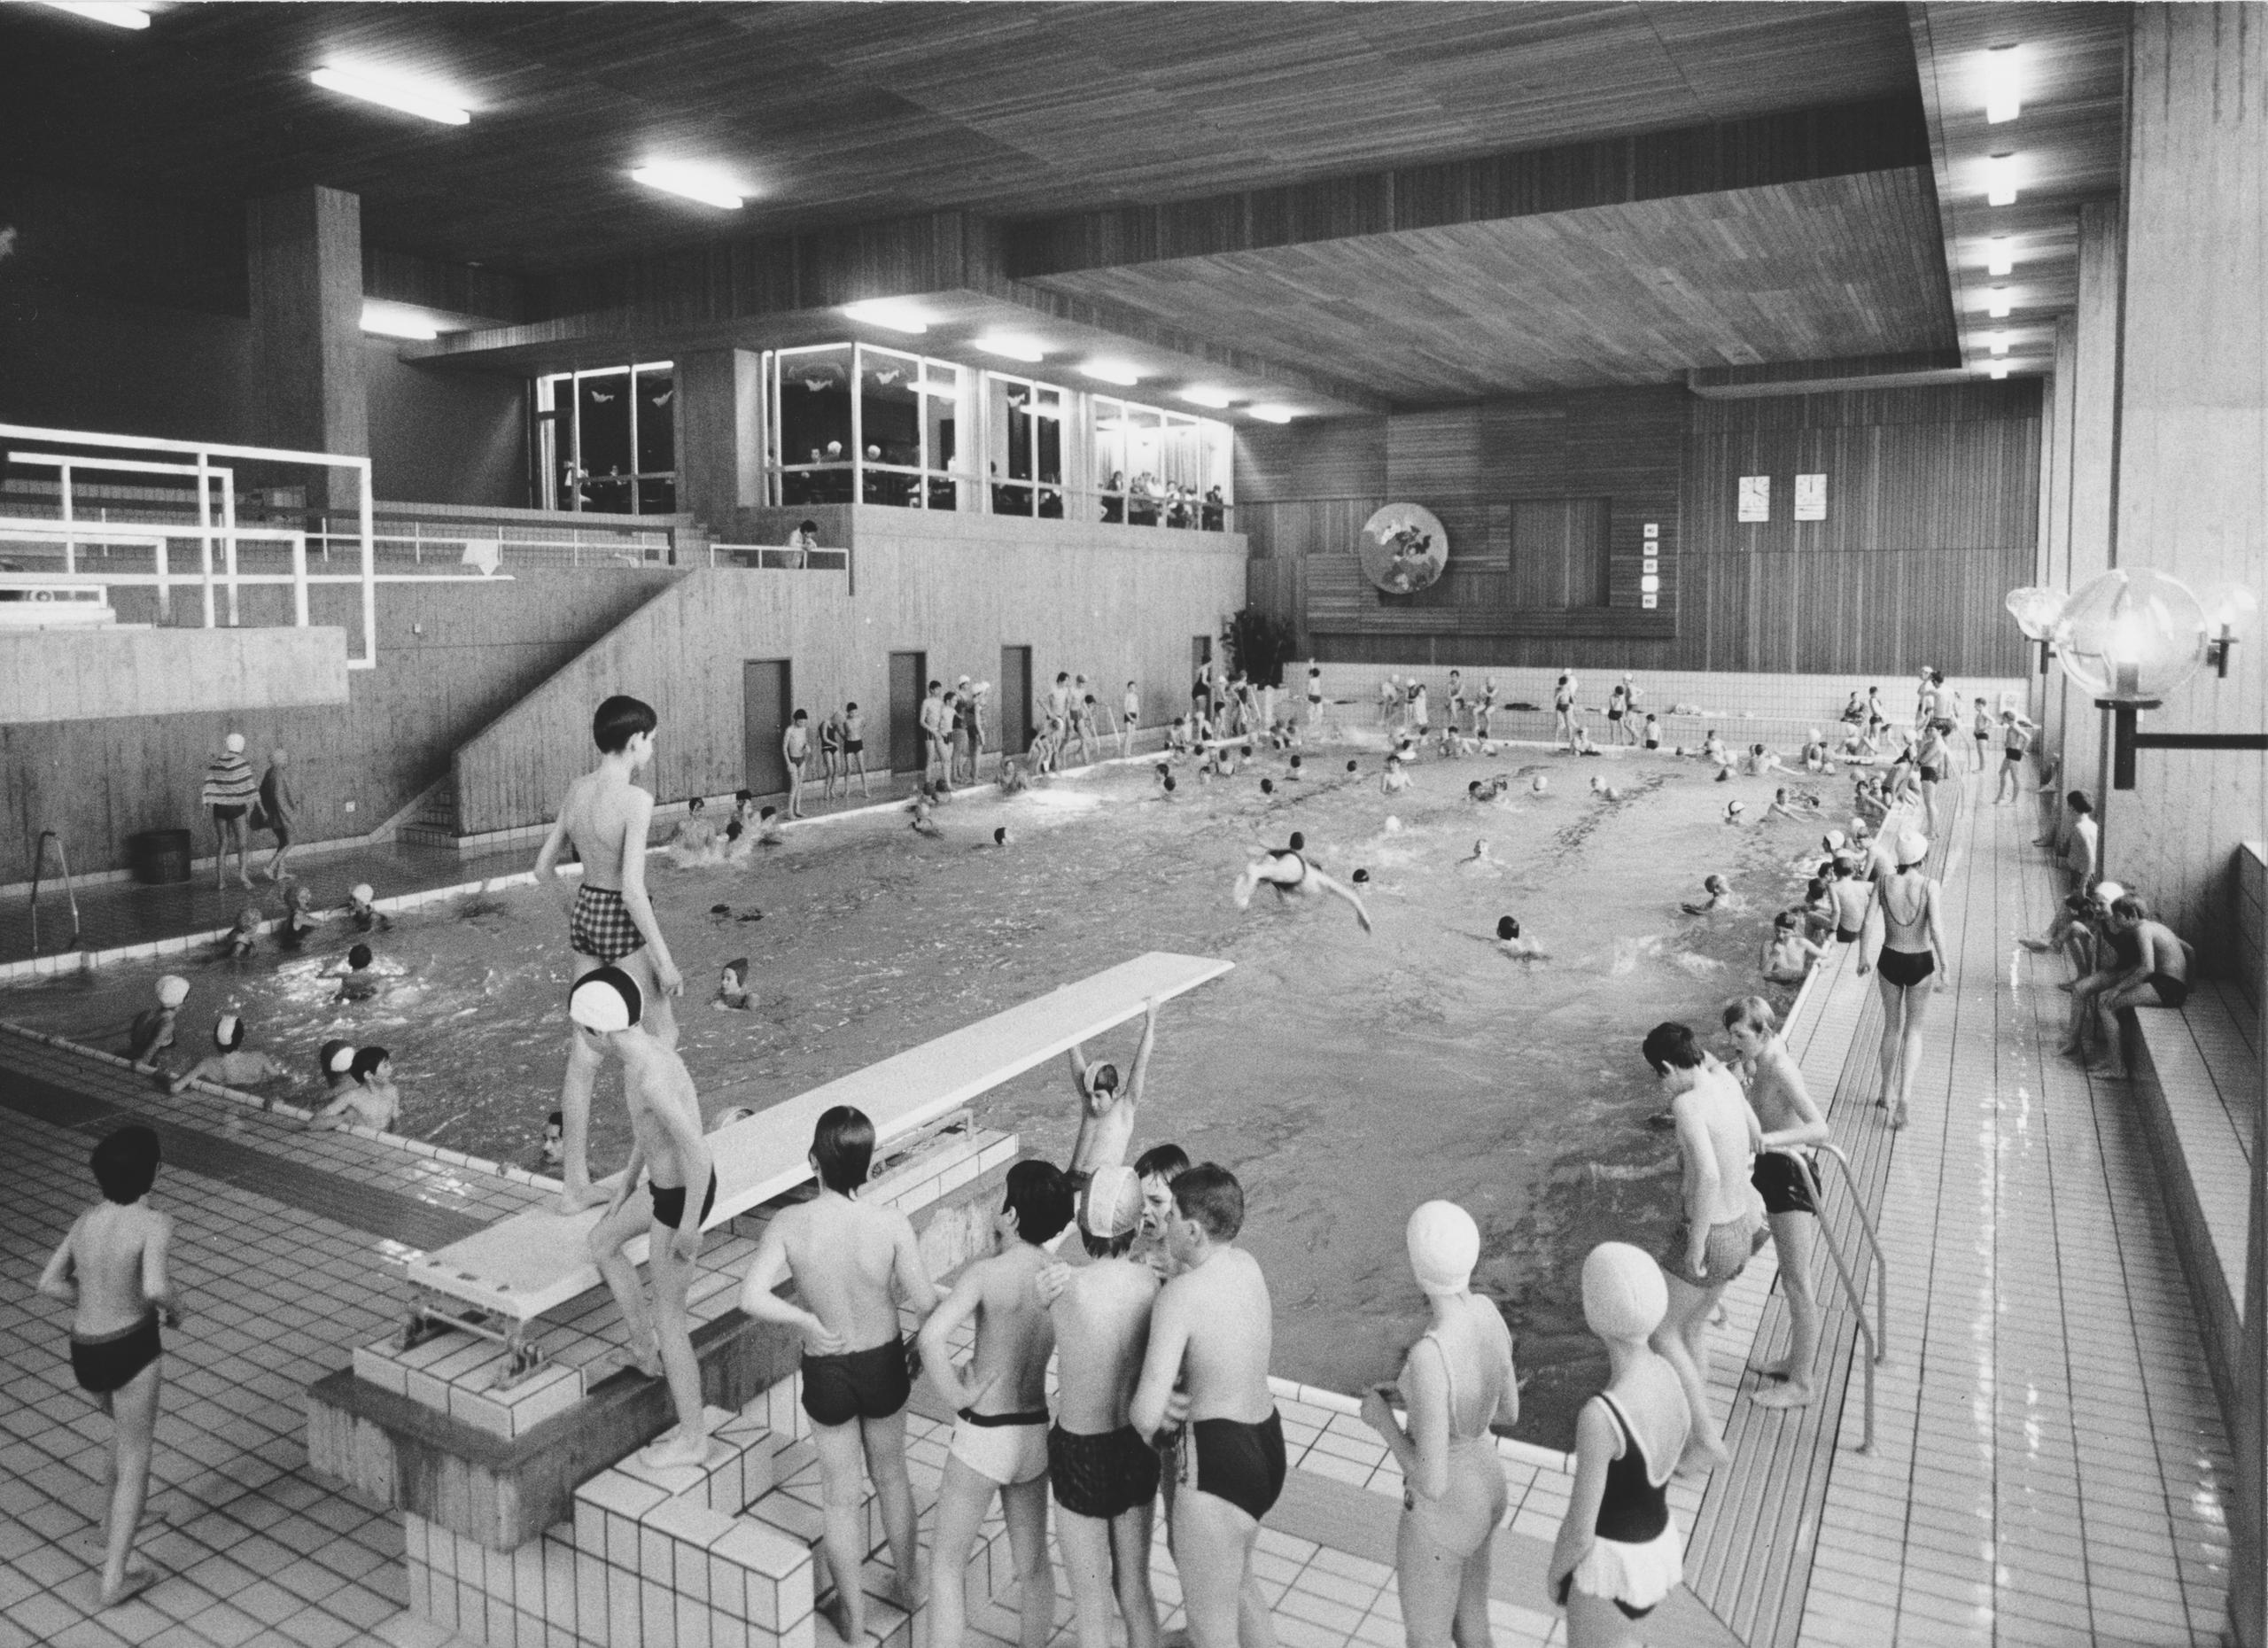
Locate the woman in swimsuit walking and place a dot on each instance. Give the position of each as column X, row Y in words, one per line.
column 1912, row 948
column 1455, row 1494
column 1620, row 1554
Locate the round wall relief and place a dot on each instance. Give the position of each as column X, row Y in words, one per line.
column 1403, row 549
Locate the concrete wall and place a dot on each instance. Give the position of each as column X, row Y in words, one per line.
column 1110, row 602
column 451, row 658
column 86, row 675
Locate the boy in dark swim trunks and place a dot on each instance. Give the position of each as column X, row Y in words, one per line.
column 1287, row 870
column 110, row 1269
column 851, row 1264
column 605, row 1008
column 2158, row 976
column 611, row 921
column 1214, row 1325
column 1000, row 1443
column 1790, row 1122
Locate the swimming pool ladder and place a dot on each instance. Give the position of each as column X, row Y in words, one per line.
column 70, row 892
column 1875, row 1336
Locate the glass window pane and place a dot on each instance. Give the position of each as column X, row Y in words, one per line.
column 890, row 407
column 658, row 496
column 610, row 497
column 603, row 423
column 815, row 406
column 657, row 421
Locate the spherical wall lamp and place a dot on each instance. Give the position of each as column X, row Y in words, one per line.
column 2036, row 610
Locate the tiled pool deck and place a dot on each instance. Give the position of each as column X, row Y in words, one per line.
column 2048, row 1467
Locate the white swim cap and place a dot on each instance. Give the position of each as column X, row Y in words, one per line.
column 227, row 1032
column 338, row 1057
column 361, row 892
column 1913, row 847
column 1539, row 783
column 1113, row 1203
column 1858, row 829
column 2110, row 892
column 1392, row 823
column 236, row 743
column 1623, row 1295
column 1444, row 1245
column 606, row 1000
column 172, row 989
column 1835, row 841
column 984, row 686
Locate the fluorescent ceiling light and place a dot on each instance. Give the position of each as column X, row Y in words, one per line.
column 1202, row 395
column 1999, row 369
column 1009, row 347
column 1999, row 342
column 399, row 320
column 2003, row 85
column 1272, row 415
column 407, row 96
column 694, row 183
column 891, row 314
column 2000, row 180
column 1997, row 304
column 1999, row 260
column 1112, row 372
column 115, row 12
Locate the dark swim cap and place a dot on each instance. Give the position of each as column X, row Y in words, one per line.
column 1266, row 785
column 1362, row 877
column 1298, row 841
column 1168, row 782
column 359, row 957
column 1352, row 766
column 1000, row 835
column 1295, row 764
column 1507, row 926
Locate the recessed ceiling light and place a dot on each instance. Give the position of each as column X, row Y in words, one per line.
column 399, row 320
column 1999, row 341
column 1205, row 395
column 1272, row 414
column 2002, row 74
column 1999, row 259
column 1009, row 347
column 1112, row 372
column 1999, row 369
column 891, row 314
column 1997, row 304
column 2000, row 180
column 115, row 12
column 691, row 182
column 409, row 97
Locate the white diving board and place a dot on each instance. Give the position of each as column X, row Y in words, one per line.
column 535, row 1261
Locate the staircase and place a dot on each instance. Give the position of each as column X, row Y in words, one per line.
column 431, row 820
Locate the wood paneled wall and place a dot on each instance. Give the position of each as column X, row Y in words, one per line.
column 1932, row 509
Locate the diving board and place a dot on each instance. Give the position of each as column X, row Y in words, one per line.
column 535, row 1261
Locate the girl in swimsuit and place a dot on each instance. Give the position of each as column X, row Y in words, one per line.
column 1912, row 948
column 1457, row 1381
column 1620, row 1554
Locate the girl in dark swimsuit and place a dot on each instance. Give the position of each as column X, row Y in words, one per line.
column 1911, row 949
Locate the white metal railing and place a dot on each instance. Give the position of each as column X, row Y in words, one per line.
column 1875, row 1335
column 490, row 552
column 780, row 556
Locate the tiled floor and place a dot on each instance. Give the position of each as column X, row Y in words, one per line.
column 2049, row 1466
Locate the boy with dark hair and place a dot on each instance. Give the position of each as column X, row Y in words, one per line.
column 1213, row 1327
column 1156, row 1168
column 795, row 753
column 606, row 817
column 367, row 1098
column 605, row 1006
column 852, row 1263
column 110, row 1269
column 1105, row 1113
column 1000, row 1443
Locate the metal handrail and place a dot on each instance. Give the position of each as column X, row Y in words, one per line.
column 70, row 890
column 778, row 555
column 1875, row 1336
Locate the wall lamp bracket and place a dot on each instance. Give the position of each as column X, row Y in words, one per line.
column 2217, row 650
column 2125, row 739
column 2046, row 651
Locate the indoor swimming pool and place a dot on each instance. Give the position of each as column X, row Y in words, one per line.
column 1344, row 1077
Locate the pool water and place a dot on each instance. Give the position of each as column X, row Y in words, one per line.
column 1344, row 1077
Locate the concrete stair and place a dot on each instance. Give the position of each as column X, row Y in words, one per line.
column 433, row 822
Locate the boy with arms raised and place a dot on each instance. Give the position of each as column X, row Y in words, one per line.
column 999, row 1442
column 851, row 1264
column 1213, row 1327
column 666, row 1127
column 111, row 1270
column 610, row 921
column 1105, row 1114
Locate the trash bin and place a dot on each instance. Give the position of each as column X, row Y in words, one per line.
column 158, row 856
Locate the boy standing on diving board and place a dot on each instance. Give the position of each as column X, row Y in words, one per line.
column 610, row 921
column 681, row 1184
column 1105, row 1112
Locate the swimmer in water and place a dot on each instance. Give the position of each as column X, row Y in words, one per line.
column 606, row 1007
column 770, row 830
column 1288, row 871
column 695, row 834
column 154, row 1027
column 1396, row 777
column 231, row 1066
column 363, row 911
column 358, row 983
column 1781, row 807
column 554, row 1146
column 1001, row 840
column 1603, row 790
column 112, row 1270
column 924, row 820
column 368, row 1100
column 1457, row 1382
column 1477, row 857
column 1734, row 810
column 1484, row 789
column 733, row 993
column 1012, row 777
column 244, row 937
column 1720, row 891
column 299, row 922
column 1511, row 942
column 1539, row 786
column 1787, row 954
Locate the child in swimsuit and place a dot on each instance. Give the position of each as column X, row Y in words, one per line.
column 153, row 1032
column 1457, row 1382
column 231, row 1066
column 112, row 1270
column 796, row 751
column 299, row 922
column 1129, row 717
column 370, row 1098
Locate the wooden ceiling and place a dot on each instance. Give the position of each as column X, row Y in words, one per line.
column 1628, row 293
column 832, row 113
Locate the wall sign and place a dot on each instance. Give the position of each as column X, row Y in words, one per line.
column 1653, row 531
column 1811, row 497
column 1403, row 549
column 1756, row 497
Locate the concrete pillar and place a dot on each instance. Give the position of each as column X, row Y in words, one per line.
column 719, row 435
column 2093, row 469
column 2191, row 499
column 305, row 264
column 2058, row 415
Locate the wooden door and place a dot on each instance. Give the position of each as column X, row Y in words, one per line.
column 909, row 684
column 1014, row 716
column 766, row 701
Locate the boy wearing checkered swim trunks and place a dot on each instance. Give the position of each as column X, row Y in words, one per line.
column 611, row 921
